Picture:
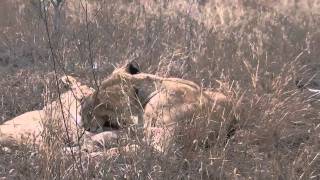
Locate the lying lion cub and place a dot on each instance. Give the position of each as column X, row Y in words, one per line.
column 60, row 117
column 184, row 112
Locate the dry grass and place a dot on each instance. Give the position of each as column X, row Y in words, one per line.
column 257, row 49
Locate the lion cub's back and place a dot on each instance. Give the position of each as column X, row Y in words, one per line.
column 181, row 90
column 27, row 125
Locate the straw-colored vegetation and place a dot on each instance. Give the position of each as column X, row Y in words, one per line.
column 256, row 51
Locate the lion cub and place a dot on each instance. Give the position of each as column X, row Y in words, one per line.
column 184, row 112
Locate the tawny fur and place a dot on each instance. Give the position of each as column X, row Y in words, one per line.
column 176, row 104
column 33, row 125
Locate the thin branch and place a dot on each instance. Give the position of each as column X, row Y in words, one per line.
column 91, row 59
column 53, row 55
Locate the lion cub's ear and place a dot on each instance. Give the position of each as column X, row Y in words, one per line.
column 102, row 110
column 133, row 67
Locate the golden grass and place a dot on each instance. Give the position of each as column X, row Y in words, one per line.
column 250, row 49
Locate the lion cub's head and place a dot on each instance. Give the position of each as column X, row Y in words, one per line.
column 110, row 105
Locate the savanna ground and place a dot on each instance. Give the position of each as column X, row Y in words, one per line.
column 255, row 49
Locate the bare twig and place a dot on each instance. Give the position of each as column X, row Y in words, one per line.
column 53, row 55
column 91, row 59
